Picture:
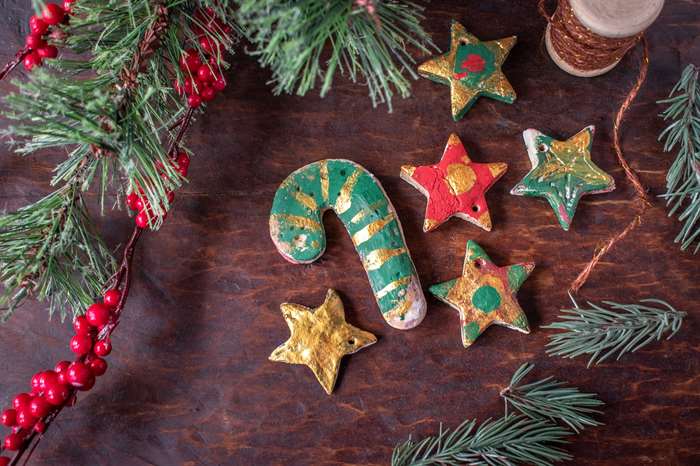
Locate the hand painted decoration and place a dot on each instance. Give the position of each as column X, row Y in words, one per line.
column 320, row 338
column 471, row 68
column 562, row 172
column 362, row 205
column 485, row 294
column 455, row 186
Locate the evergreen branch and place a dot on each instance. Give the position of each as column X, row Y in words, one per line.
column 292, row 39
column 683, row 177
column 552, row 400
column 509, row 440
column 601, row 332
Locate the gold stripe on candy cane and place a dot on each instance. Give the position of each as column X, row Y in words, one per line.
column 371, row 229
column 298, row 221
column 399, row 310
column 305, row 200
column 358, row 216
column 375, row 259
column 344, row 200
column 392, row 286
column 324, row 180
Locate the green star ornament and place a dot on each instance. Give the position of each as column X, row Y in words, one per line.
column 485, row 294
column 562, row 172
column 471, row 68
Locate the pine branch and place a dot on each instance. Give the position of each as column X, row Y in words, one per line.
column 552, row 400
column 307, row 41
column 505, row 441
column 601, row 332
column 683, row 178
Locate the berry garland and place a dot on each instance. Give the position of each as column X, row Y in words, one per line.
column 31, row 413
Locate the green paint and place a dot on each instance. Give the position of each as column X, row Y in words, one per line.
column 521, row 322
column 441, row 290
column 464, row 51
column 486, row 298
column 358, row 198
column 471, row 331
column 474, row 252
column 517, row 274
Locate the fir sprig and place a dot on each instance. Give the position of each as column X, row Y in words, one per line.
column 304, row 42
column 683, row 178
column 553, row 400
column 603, row 332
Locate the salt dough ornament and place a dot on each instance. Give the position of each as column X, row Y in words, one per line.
column 360, row 202
column 471, row 68
column 485, row 294
column 562, row 172
column 319, row 338
column 455, row 186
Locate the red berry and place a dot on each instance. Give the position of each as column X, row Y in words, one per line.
column 98, row 366
column 31, row 60
column 81, row 344
column 13, row 442
column 39, row 427
column 112, row 297
column 80, row 376
column 131, row 200
column 21, row 400
column 4, row 461
column 46, row 379
column 98, row 315
column 204, row 74
column 210, row 45
column 48, row 51
column 208, row 94
column 39, row 407
column 9, row 418
column 178, row 88
column 220, row 83
column 53, row 14
column 57, row 394
column 34, row 41
column 61, row 367
column 141, row 219
column 68, row 6
column 24, row 418
column 38, row 26
column 194, row 101
column 190, row 61
column 36, row 383
column 82, row 326
column 171, row 197
column 182, row 160
column 189, row 86
column 102, row 348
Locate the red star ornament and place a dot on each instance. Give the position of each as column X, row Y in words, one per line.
column 455, row 186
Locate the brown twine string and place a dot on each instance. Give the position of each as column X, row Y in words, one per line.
column 585, row 50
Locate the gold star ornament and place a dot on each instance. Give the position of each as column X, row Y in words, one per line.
column 319, row 338
column 471, row 68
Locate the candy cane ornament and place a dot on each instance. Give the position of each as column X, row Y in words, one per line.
column 357, row 197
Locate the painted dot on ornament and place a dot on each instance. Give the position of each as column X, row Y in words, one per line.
column 471, row 331
column 486, row 298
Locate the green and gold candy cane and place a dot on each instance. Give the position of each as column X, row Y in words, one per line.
column 355, row 195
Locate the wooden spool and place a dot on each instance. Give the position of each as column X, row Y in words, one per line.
column 608, row 18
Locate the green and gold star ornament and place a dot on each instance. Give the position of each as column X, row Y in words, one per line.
column 562, row 172
column 471, row 68
column 455, row 186
column 319, row 338
column 485, row 294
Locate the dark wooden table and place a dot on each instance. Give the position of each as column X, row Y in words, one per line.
column 189, row 380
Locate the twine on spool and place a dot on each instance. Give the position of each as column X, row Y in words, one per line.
column 585, row 50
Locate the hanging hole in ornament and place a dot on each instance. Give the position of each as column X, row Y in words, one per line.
column 475, row 208
column 541, row 147
column 477, row 263
column 351, row 342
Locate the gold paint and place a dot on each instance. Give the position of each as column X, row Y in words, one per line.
column 297, row 221
column 319, row 338
column 314, row 244
column 454, row 140
column 399, row 311
column 304, row 199
column 460, row 178
column 358, row 216
column 408, row 170
column 375, row 259
column 497, row 169
column 392, row 286
column 371, row 229
column 325, row 181
column 344, row 200
column 484, row 221
column 429, row 224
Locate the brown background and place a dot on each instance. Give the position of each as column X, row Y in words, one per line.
column 189, row 381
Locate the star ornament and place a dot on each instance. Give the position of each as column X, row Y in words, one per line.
column 562, row 172
column 485, row 294
column 471, row 68
column 319, row 338
column 455, row 186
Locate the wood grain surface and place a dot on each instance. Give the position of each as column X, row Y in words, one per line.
column 189, row 381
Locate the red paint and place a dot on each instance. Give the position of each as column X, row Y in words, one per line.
column 474, row 63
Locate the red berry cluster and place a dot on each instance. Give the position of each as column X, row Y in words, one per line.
column 139, row 203
column 37, row 48
column 203, row 79
column 56, row 388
